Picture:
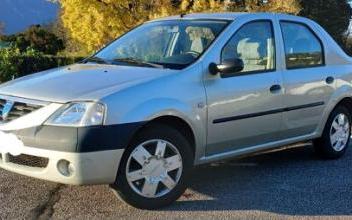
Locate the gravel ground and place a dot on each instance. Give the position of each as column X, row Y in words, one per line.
column 277, row 185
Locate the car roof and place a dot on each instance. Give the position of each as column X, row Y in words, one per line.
column 220, row 16
column 225, row 16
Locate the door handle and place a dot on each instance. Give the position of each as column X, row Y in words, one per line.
column 275, row 88
column 329, row 80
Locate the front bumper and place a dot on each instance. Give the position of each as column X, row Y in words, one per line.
column 92, row 153
column 87, row 168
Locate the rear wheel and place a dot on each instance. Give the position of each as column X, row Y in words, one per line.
column 336, row 136
column 154, row 169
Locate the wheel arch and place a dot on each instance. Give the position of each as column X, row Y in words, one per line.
column 347, row 102
column 175, row 122
column 186, row 117
column 339, row 99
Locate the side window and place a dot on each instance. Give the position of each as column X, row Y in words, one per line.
column 302, row 47
column 254, row 44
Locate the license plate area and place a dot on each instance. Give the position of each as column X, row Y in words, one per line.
column 10, row 143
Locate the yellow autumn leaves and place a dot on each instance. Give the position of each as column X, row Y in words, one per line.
column 93, row 23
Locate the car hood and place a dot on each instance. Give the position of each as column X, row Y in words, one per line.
column 79, row 82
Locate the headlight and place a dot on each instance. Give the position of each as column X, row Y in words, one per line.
column 79, row 114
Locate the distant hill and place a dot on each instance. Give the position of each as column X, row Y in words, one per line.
column 19, row 14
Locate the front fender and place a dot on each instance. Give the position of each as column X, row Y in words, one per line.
column 155, row 108
column 191, row 113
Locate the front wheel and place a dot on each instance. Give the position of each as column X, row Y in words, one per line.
column 154, row 169
column 336, row 136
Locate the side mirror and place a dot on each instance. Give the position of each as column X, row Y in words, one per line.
column 227, row 67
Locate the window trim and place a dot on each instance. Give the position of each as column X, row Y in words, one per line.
column 314, row 33
column 270, row 21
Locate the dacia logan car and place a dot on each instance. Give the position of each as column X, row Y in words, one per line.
column 174, row 93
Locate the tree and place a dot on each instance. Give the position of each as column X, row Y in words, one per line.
column 333, row 15
column 94, row 23
column 193, row 6
column 287, row 6
column 72, row 47
column 2, row 28
column 37, row 38
column 282, row 6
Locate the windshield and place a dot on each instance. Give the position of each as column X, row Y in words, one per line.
column 167, row 44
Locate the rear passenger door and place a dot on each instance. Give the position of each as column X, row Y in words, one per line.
column 307, row 83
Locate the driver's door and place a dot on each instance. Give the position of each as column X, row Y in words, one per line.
column 245, row 108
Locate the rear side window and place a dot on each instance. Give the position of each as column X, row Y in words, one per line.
column 302, row 47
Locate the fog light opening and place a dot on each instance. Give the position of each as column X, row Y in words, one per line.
column 65, row 168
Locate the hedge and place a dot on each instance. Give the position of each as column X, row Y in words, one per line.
column 14, row 64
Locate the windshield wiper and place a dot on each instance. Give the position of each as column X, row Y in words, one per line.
column 131, row 60
column 96, row 60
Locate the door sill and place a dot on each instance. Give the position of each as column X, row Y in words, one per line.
column 254, row 149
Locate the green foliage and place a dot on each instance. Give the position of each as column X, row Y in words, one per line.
column 37, row 38
column 72, row 47
column 14, row 63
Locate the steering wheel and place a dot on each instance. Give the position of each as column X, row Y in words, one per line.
column 193, row 53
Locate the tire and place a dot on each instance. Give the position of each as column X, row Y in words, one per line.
column 333, row 145
column 141, row 192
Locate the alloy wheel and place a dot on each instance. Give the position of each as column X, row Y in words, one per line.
column 339, row 132
column 154, row 168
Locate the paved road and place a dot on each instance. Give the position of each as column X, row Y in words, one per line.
column 284, row 184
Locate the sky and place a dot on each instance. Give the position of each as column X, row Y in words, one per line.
column 19, row 14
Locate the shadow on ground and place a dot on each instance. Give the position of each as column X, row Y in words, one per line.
column 290, row 182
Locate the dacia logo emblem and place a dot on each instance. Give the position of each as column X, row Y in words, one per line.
column 7, row 109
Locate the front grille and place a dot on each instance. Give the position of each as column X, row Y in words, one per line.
column 19, row 109
column 28, row 160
